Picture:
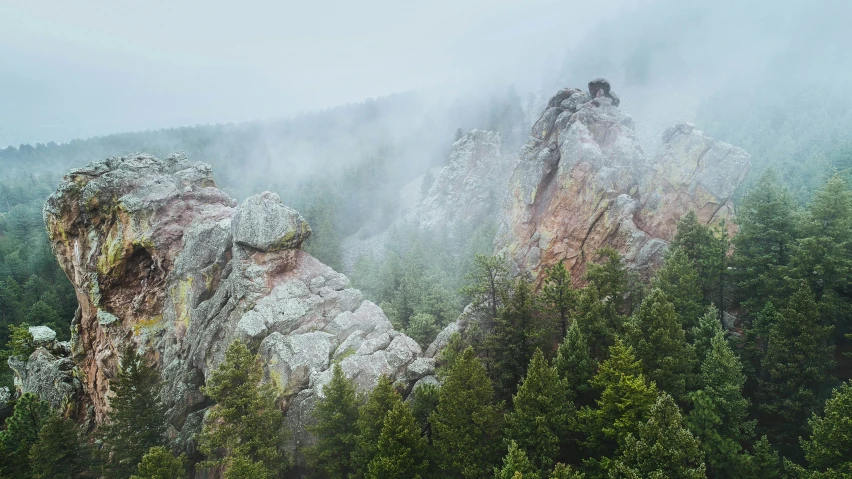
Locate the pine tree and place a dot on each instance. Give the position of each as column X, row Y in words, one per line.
column 798, row 364
column 829, row 447
column 561, row 471
column 542, row 415
column 609, row 277
column 763, row 462
column 488, row 283
column 679, row 282
column 625, row 401
column 244, row 423
column 21, row 433
column 136, row 421
column 335, row 426
column 599, row 321
column 514, row 339
column 466, row 424
column 576, row 366
column 401, row 451
column 514, row 463
column 559, row 295
column 159, row 463
column 660, row 344
column 703, row 334
column 705, row 250
column 424, row 400
column 60, row 451
column 663, row 448
column 764, row 243
column 370, row 422
column 718, row 417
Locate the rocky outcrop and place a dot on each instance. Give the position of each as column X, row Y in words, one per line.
column 467, row 189
column 163, row 261
column 583, row 183
column 49, row 371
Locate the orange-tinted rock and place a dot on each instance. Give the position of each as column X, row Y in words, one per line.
column 583, row 183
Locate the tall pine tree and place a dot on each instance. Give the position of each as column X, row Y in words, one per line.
column 798, row 364
column 466, row 425
column 559, row 295
column 244, row 426
column 371, row 417
column 660, row 344
column 335, row 425
column 61, row 451
column 22, row 430
column 401, row 450
column 542, row 414
column 136, row 420
column 663, row 447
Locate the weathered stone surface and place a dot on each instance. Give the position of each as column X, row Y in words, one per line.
column 163, row 261
column 49, row 375
column 42, row 335
column 466, row 189
column 263, row 222
column 583, row 183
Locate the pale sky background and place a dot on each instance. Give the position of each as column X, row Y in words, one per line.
column 75, row 69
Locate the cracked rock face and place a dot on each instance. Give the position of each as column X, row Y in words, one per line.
column 583, row 183
column 466, row 190
column 165, row 262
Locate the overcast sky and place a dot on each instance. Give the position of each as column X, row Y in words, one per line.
column 83, row 68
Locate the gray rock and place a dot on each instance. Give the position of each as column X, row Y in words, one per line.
column 52, row 378
column 154, row 243
column 263, row 222
column 42, row 335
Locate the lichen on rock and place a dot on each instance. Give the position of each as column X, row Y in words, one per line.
column 163, row 261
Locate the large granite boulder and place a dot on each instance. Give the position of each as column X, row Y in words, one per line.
column 583, row 182
column 163, row 261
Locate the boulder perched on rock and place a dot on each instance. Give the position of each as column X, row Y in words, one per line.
column 49, row 371
column 583, row 182
column 163, row 261
column 263, row 222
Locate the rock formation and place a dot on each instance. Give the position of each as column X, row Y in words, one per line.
column 467, row 188
column 49, row 371
column 583, row 182
column 163, row 261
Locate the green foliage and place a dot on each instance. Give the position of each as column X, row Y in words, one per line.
column 488, row 284
column 625, row 401
column 466, row 424
column 22, row 431
column 60, row 452
column 516, row 463
column 764, row 461
column 422, row 327
column 160, row 463
column 516, row 334
column 424, row 400
column 601, row 303
column 561, row 471
column 20, row 344
column 679, row 281
column 400, row 451
column 663, row 448
column 798, row 363
column 244, row 425
column 705, row 250
column 764, row 244
column 448, row 356
column 335, row 425
column 719, row 414
column 707, row 329
column 136, row 421
column 559, row 295
column 542, row 414
column 575, row 365
column 829, row 447
column 371, row 417
column 660, row 344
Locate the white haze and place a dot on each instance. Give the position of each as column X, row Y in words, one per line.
column 79, row 69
